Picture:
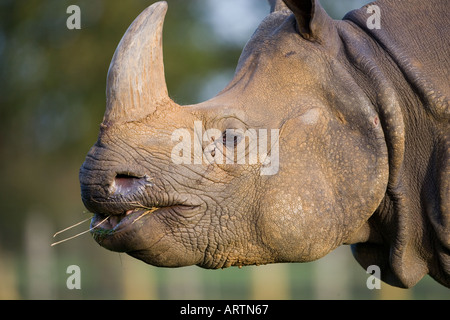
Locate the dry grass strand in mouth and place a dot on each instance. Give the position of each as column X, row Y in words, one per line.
column 137, row 205
column 71, row 227
column 149, row 211
column 79, row 234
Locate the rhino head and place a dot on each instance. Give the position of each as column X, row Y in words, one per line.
column 287, row 163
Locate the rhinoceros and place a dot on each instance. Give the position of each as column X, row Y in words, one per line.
column 353, row 122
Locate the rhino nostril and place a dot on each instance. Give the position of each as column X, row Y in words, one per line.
column 127, row 184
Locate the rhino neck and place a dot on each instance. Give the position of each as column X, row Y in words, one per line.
column 409, row 232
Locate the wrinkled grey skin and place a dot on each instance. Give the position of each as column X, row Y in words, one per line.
column 364, row 150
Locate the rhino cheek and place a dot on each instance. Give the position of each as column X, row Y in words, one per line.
column 329, row 184
column 299, row 225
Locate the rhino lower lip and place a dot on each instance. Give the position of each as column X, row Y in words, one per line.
column 101, row 222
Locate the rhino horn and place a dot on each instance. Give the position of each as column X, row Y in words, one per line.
column 136, row 84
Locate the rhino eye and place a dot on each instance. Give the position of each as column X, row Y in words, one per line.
column 231, row 138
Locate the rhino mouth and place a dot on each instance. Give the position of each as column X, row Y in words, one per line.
column 103, row 222
column 116, row 222
column 116, row 230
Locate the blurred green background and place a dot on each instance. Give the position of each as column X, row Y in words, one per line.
column 52, row 99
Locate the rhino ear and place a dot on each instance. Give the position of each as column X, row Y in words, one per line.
column 277, row 5
column 312, row 21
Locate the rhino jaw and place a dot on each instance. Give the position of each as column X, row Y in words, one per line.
column 128, row 232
